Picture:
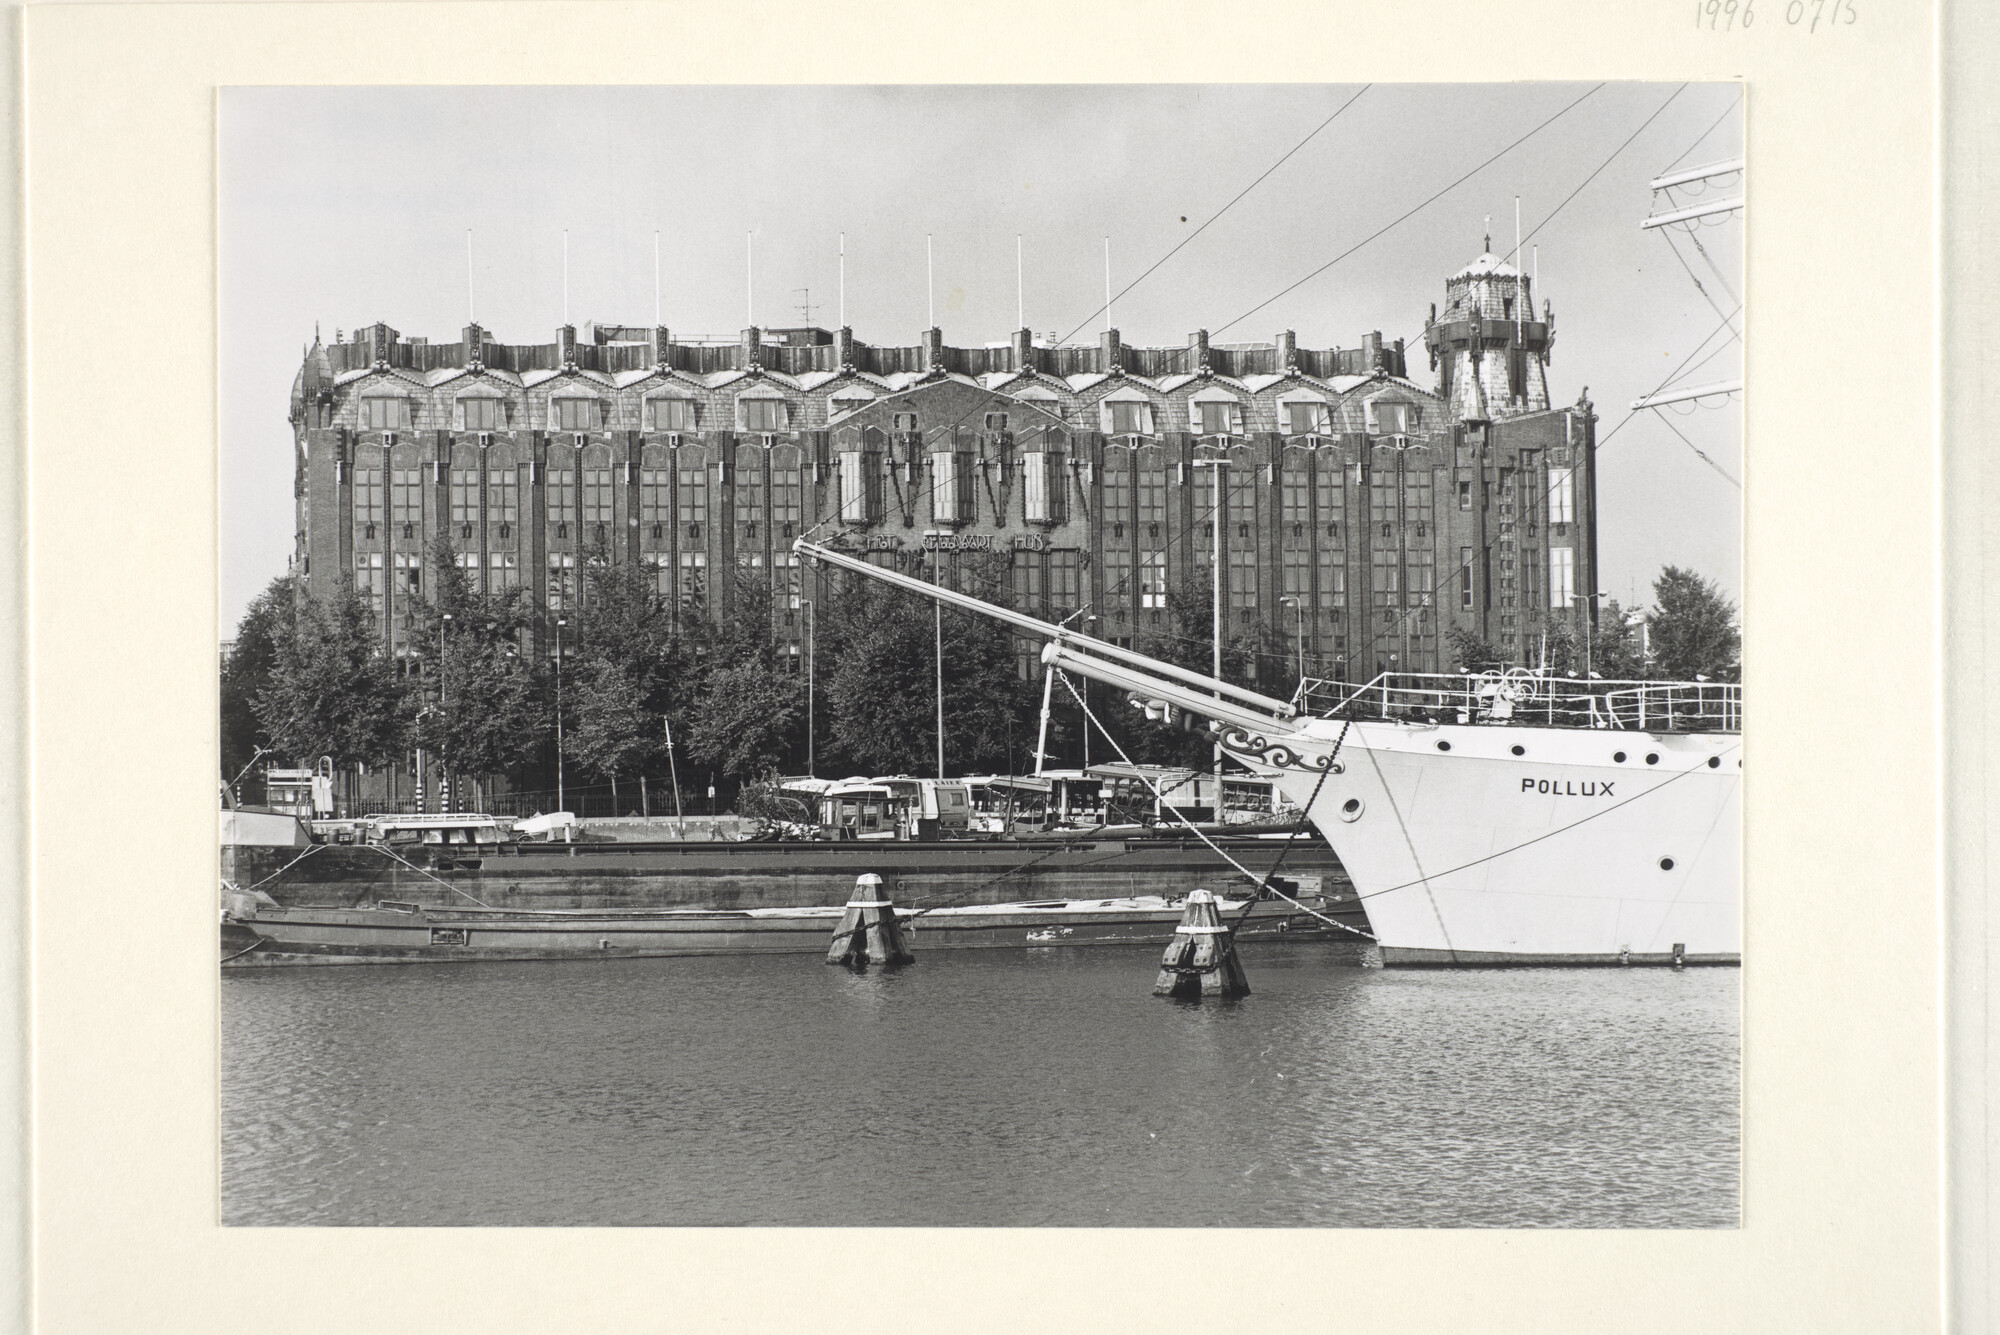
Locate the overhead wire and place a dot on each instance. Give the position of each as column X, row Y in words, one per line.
column 1092, row 317
column 1411, row 213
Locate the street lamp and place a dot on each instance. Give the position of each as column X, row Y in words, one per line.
column 1589, row 600
column 1217, row 517
column 810, row 615
column 444, row 761
column 560, row 623
column 1299, row 605
column 1088, row 622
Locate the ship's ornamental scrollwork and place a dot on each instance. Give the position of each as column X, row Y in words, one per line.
column 1277, row 754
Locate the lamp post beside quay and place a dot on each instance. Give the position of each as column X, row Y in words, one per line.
column 560, row 623
column 1215, row 521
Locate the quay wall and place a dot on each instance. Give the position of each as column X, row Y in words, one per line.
column 628, row 876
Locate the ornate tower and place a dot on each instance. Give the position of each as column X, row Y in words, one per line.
column 1490, row 351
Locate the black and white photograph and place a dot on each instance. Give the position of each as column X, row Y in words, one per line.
column 1111, row 656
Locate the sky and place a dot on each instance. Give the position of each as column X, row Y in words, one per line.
column 344, row 206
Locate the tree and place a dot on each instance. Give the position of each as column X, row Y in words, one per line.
column 881, row 691
column 609, row 728
column 749, row 720
column 332, row 692
column 1693, row 628
column 1616, row 652
column 1469, row 653
column 1561, row 648
column 246, row 672
column 750, row 712
column 490, row 716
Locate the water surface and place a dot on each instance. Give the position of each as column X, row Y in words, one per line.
column 980, row 1087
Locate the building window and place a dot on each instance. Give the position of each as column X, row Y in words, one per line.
column 1309, row 419
column 1382, row 508
column 597, row 496
column 1391, row 419
column 692, row 487
column 655, row 503
column 1387, row 586
column 1204, row 495
column 1295, row 490
column 503, row 572
column 1464, row 495
column 575, row 414
column 791, row 585
column 1420, row 567
column 503, row 499
column 1152, row 495
column 1562, row 577
column 1131, row 419
column 1029, row 591
column 1219, row 419
column 368, row 579
column 406, row 497
column 480, row 414
column 749, row 495
column 384, row 414
column 1242, row 497
column 787, row 489
column 1243, row 579
column 1117, row 486
column 951, row 487
column 1117, row 578
column 1152, row 580
column 409, row 579
column 761, row 414
column 1465, row 578
column 672, row 414
column 1417, row 490
column 368, row 496
column 1045, row 492
column 860, row 478
column 662, row 564
column 562, row 581
column 1330, row 478
column 464, row 498
column 1298, row 575
column 1332, row 581
column 1561, row 495
column 1065, row 582
column 561, row 496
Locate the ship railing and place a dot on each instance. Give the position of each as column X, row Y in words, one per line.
column 1677, row 706
column 1521, row 697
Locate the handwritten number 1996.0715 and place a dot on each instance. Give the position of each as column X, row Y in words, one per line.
column 1810, row 15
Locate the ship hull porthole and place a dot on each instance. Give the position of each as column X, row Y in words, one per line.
column 1351, row 809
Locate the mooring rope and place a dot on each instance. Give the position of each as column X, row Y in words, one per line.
column 386, row 851
column 1305, row 814
column 310, row 850
column 1247, row 873
column 260, row 941
column 1015, row 870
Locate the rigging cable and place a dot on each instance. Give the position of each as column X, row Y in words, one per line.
column 1414, row 211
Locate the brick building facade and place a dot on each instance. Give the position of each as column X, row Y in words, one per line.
column 1363, row 510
